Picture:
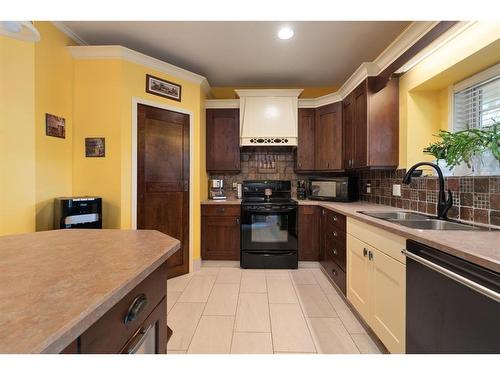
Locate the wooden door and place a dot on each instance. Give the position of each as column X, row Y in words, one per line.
column 358, row 276
column 163, row 179
column 309, row 233
column 360, row 126
column 348, row 128
column 305, row 147
column 388, row 282
column 329, row 137
column 223, row 140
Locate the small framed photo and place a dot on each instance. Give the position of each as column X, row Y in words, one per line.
column 161, row 87
column 55, row 126
column 95, row 147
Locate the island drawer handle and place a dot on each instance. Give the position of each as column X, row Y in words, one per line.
column 138, row 304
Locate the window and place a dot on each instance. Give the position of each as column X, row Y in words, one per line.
column 476, row 104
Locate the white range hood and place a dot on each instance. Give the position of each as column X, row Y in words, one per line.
column 268, row 117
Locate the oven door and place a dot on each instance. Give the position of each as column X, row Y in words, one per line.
column 269, row 229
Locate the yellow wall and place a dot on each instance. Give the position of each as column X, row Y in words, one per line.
column 17, row 136
column 309, row 92
column 103, row 92
column 54, row 95
column 423, row 90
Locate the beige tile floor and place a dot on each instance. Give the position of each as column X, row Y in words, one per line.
column 224, row 309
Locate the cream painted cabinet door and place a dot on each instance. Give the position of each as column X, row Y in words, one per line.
column 358, row 276
column 388, row 299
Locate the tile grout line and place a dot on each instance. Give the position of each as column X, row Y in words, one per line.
column 269, row 313
column 201, row 316
column 304, row 315
column 235, row 312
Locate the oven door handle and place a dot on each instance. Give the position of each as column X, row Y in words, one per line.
column 273, row 211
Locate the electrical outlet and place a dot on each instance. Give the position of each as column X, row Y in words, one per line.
column 235, row 185
column 368, row 188
column 396, row 190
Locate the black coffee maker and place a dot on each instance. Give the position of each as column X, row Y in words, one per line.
column 301, row 190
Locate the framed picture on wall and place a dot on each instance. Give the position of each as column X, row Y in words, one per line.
column 95, row 147
column 55, row 126
column 161, row 87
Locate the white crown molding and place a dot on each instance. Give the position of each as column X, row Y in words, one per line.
column 403, row 42
column 222, row 103
column 120, row 52
column 269, row 92
column 66, row 30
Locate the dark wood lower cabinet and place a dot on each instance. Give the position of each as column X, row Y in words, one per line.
column 333, row 246
column 309, row 227
column 220, row 232
column 137, row 323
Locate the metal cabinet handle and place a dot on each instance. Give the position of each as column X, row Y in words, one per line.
column 334, row 251
column 299, row 164
column 370, row 255
column 334, row 273
column 335, row 218
column 221, row 209
column 138, row 304
column 335, row 234
column 454, row 276
column 238, row 220
column 136, row 341
column 365, row 252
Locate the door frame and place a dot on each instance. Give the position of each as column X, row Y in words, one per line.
column 133, row 191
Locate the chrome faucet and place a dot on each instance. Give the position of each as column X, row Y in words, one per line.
column 444, row 204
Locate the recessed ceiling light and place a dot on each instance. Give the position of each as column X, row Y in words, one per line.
column 285, row 33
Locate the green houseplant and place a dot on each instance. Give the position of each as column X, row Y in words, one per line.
column 477, row 148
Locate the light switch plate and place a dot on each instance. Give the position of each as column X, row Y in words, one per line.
column 396, row 190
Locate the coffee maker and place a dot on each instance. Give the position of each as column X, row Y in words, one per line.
column 216, row 189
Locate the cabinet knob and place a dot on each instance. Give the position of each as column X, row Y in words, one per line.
column 335, row 233
column 238, row 220
column 365, row 252
column 299, row 164
column 334, row 251
column 370, row 255
column 334, row 273
column 335, row 218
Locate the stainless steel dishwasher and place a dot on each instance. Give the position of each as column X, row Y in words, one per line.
column 452, row 306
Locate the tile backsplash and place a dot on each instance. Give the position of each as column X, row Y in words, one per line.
column 261, row 164
column 475, row 199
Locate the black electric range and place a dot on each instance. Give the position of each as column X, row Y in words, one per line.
column 268, row 225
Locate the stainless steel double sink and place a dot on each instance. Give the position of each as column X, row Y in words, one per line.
column 420, row 221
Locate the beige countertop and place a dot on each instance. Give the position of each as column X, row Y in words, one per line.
column 481, row 247
column 54, row 285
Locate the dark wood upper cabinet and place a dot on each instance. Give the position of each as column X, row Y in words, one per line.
column 223, row 140
column 371, row 126
column 305, row 149
column 328, row 138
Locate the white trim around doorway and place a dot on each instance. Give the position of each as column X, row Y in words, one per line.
column 133, row 191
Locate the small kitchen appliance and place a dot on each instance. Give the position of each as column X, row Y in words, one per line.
column 216, row 189
column 337, row 189
column 78, row 212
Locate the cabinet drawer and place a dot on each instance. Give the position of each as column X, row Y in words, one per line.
column 110, row 333
column 220, row 210
column 335, row 220
column 383, row 240
column 334, row 271
column 335, row 248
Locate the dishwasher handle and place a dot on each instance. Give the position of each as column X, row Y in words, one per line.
column 454, row 276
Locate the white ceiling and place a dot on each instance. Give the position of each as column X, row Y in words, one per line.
column 249, row 53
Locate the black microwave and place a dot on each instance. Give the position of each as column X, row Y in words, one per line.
column 337, row 189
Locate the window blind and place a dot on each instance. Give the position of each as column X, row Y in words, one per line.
column 477, row 106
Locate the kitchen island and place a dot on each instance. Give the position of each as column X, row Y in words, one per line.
column 83, row 290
